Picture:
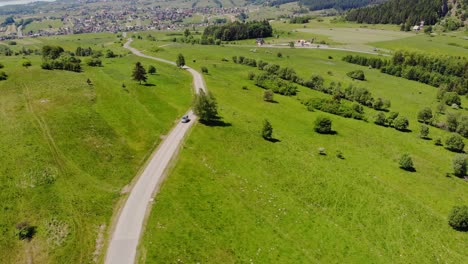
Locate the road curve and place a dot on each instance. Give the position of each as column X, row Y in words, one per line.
column 128, row 228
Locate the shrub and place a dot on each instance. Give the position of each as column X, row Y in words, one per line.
column 323, row 125
column 26, row 63
column 3, row 76
column 204, row 69
column 379, row 119
column 406, row 162
column 267, row 130
column 1, row 66
column 251, row 75
column 25, row 230
column 357, row 75
column 455, row 143
column 268, row 95
column 425, row 115
column 459, row 163
column 151, row 69
column 438, row 142
column 458, row 218
column 279, row 55
column 424, row 131
column 451, row 98
column 401, row 123
column 391, row 118
column 452, row 122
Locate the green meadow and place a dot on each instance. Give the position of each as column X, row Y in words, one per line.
column 235, row 197
column 69, row 150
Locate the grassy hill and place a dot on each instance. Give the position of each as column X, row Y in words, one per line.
column 67, row 149
column 234, row 197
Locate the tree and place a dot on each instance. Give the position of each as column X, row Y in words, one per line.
column 267, row 130
column 323, row 125
column 406, row 162
column 455, row 143
column 268, row 95
column 3, row 76
column 458, row 218
column 401, row 123
column 452, row 122
column 151, row 69
column 462, row 127
column 391, row 118
column 204, row 106
column 204, row 70
column 139, row 73
column 27, row 63
column 379, row 119
column 357, row 75
column 451, row 98
column 424, row 131
column 425, row 115
column 459, row 163
column 180, row 62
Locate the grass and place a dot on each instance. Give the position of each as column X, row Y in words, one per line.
column 234, row 197
column 67, row 149
column 43, row 25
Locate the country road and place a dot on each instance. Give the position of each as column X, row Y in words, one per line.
column 129, row 223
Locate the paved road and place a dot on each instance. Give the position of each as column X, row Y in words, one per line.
column 125, row 237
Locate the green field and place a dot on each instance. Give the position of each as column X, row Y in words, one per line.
column 44, row 25
column 68, row 148
column 234, row 197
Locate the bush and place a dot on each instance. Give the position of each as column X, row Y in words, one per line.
column 406, row 163
column 268, row 96
column 1, row 66
column 204, row 69
column 459, row 163
column 451, row 98
column 267, row 131
column 26, row 63
column 279, row 55
column 458, row 218
column 25, row 230
column 425, row 115
column 357, row 75
column 379, row 119
column 424, row 131
column 438, row 142
column 323, row 125
column 3, row 76
column 401, row 123
column 455, row 143
column 94, row 62
column 251, row 76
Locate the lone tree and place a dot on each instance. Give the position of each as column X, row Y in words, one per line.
column 459, row 163
column 204, row 106
column 323, row 125
column 139, row 73
column 268, row 95
column 458, row 218
column 267, row 131
column 151, row 69
column 406, row 162
column 424, row 131
column 455, row 143
column 180, row 62
column 425, row 115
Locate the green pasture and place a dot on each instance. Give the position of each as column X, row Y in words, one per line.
column 234, row 197
column 67, row 149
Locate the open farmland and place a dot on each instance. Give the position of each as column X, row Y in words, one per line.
column 283, row 202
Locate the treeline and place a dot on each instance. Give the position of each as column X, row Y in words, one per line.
column 236, row 31
column 437, row 71
column 337, row 4
column 400, row 12
column 335, row 107
column 55, row 57
column 273, row 75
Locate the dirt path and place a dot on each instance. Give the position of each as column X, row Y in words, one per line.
column 129, row 223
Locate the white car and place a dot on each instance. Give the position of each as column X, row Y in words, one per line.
column 185, row 119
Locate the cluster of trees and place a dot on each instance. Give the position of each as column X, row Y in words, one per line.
column 337, row 4
column 400, row 12
column 393, row 119
column 336, row 107
column 205, row 107
column 448, row 71
column 357, row 75
column 54, row 57
column 274, row 83
column 236, row 31
column 300, row 20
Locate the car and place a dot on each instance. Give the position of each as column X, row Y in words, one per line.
column 185, row 119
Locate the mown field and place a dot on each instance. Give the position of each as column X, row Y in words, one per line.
column 68, row 149
column 235, row 197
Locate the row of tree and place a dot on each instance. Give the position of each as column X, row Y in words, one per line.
column 337, row 4
column 335, row 107
column 236, row 31
column 401, row 11
column 449, row 72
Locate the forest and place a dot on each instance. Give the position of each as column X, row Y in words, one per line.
column 401, row 12
column 236, row 31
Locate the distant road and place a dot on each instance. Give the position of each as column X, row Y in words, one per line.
column 129, row 226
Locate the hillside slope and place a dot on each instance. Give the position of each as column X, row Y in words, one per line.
column 401, row 11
